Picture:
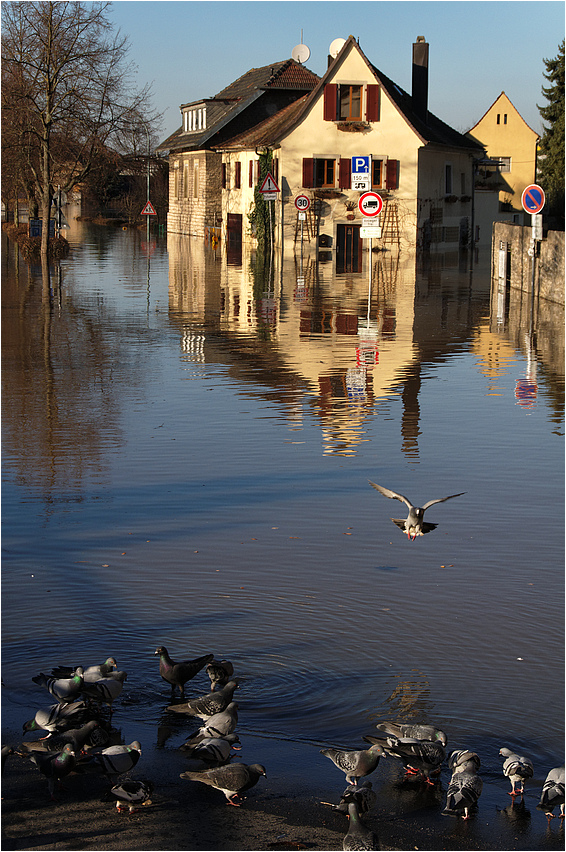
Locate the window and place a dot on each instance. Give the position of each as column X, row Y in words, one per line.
column 195, row 178
column 324, row 173
column 462, row 183
column 377, row 174
column 448, row 179
column 237, row 175
column 504, row 164
column 225, row 176
column 186, row 180
column 253, row 173
column 350, row 103
column 176, row 180
column 504, row 118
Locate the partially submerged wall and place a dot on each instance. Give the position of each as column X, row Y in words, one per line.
column 515, row 241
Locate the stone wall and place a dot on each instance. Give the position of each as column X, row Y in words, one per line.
column 515, row 240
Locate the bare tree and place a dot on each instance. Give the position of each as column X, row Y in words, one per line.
column 70, row 88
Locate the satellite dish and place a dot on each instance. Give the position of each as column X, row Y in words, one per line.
column 300, row 53
column 336, row 46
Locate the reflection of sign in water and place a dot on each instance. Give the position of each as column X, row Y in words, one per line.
column 268, row 309
column 367, row 355
column 526, row 392
column 301, row 290
column 356, row 383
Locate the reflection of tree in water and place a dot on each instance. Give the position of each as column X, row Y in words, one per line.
column 409, row 700
column 61, row 358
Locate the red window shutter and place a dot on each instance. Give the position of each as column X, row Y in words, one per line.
column 308, row 171
column 224, row 175
column 372, row 106
column 251, row 173
column 392, row 174
column 345, row 173
column 330, row 102
column 275, row 169
column 238, row 175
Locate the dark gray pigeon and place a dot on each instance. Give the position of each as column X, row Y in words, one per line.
column 63, row 689
column 363, row 794
column 59, row 717
column 206, row 706
column 463, row 791
column 130, row 795
column 219, row 672
column 218, row 725
column 359, row 836
column 55, row 765
column 232, row 779
column 214, row 750
column 105, row 690
column 464, row 760
column 112, row 761
column 178, row 673
column 421, row 758
column 416, row 731
column 91, row 733
column 355, row 764
column 553, row 793
column 90, row 673
column 517, row 769
column 414, row 524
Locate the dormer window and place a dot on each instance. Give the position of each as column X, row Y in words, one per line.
column 194, row 119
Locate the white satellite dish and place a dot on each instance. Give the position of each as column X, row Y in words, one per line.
column 336, row 46
column 300, row 53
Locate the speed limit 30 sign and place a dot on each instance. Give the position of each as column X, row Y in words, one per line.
column 302, row 202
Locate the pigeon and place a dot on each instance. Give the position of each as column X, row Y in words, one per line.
column 219, row 672
column 359, row 836
column 90, row 673
column 421, row 758
column 105, row 690
column 517, row 769
column 464, row 760
column 54, row 765
column 207, row 705
column 463, row 791
column 177, row 674
column 129, row 795
column 553, row 793
column 414, row 524
column 232, row 779
column 112, row 761
column 212, row 749
column 363, row 795
column 90, row 734
column 419, row 732
column 355, row 764
column 64, row 689
column 218, row 725
column 59, row 717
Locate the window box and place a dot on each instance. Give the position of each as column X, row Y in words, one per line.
column 450, row 199
column 353, row 126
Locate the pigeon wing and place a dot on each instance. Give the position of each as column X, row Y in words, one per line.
column 442, row 500
column 392, row 494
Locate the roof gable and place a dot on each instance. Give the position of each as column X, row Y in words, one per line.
column 501, row 101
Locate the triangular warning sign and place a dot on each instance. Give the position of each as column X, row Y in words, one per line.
column 148, row 210
column 269, row 184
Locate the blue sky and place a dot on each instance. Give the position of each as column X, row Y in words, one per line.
column 189, row 50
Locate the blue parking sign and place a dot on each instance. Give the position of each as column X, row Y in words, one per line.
column 360, row 165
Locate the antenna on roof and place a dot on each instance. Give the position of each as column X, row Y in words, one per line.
column 336, row 46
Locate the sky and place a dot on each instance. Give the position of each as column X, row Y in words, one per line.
column 478, row 48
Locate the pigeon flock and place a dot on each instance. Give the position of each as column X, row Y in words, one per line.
column 77, row 736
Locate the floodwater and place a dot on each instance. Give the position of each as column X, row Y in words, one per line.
column 187, row 443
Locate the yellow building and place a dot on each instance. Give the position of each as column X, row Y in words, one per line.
column 511, row 145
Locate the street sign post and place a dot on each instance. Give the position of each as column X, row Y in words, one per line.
column 370, row 204
column 149, row 210
column 302, row 202
column 269, row 188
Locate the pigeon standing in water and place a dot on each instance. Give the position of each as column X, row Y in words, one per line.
column 59, row 717
column 232, row 779
column 517, row 769
column 207, row 705
column 553, row 793
column 363, row 795
column 219, row 672
column 212, row 750
column 417, row 731
column 465, row 785
column 414, row 524
column 64, row 689
column 355, row 764
column 54, row 765
column 421, row 758
column 218, row 725
column 90, row 673
column 359, row 836
column 178, row 673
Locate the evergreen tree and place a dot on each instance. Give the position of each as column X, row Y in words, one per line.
column 551, row 161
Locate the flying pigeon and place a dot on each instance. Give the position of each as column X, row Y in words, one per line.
column 59, row 717
column 418, row 732
column 207, row 705
column 421, row 758
column 463, row 760
column 218, row 725
column 355, row 764
column 359, row 836
column 362, row 794
column 219, row 672
column 63, row 689
column 414, row 524
column 517, row 769
column 212, row 749
column 553, row 793
column 90, row 673
column 463, row 791
column 177, row 674
column 54, row 765
column 129, row 795
column 232, row 779
column 112, row 761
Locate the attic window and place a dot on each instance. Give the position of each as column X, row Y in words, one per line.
column 194, row 119
column 350, row 102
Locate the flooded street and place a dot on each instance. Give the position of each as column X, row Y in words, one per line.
column 187, row 444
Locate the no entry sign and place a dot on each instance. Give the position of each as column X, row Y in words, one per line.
column 370, row 204
column 533, row 198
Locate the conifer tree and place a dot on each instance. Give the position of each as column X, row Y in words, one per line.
column 551, row 160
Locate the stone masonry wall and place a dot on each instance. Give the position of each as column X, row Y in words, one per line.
column 549, row 270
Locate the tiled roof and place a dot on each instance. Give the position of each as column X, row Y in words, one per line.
column 268, row 131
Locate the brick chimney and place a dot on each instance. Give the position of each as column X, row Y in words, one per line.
column 420, row 78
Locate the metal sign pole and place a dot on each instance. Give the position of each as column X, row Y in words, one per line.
column 370, row 274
